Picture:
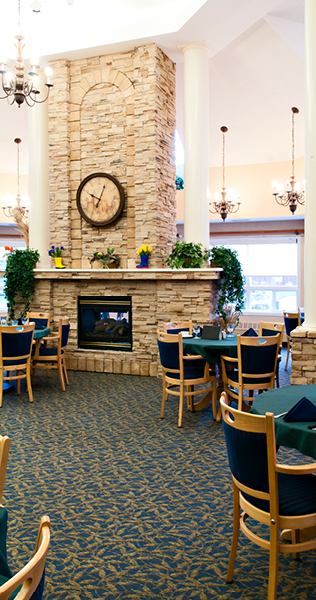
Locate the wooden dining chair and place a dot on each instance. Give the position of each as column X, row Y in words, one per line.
column 31, row 577
column 41, row 319
column 178, row 326
column 266, row 328
column 15, row 356
column 291, row 321
column 53, row 357
column 255, row 370
column 180, row 374
column 278, row 496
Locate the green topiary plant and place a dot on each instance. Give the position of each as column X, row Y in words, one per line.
column 230, row 288
column 187, row 255
column 19, row 279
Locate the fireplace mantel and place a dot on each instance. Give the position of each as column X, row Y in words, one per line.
column 128, row 274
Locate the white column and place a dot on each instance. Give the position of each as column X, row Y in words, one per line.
column 310, row 164
column 196, row 146
column 38, row 180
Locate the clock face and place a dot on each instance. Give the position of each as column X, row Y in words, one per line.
column 100, row 199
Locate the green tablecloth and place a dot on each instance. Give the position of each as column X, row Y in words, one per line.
column 211, row 350
column 290, row 434
column 39, row 333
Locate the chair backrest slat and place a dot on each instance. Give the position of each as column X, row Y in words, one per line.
column 178, row 326
column 291, row 321
column 258, row 355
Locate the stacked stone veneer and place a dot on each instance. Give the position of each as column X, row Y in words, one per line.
column 157, row 296
column 303, row 356
column 114, row 114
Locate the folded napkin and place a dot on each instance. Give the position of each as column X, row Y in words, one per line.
column 250, row 333
column 303, row 410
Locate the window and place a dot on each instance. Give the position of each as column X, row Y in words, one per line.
column 270, row 267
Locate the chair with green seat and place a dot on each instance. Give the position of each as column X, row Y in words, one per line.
column 291, row 321
column 28, row 583
column 255, row 371
column 183, row 373
column 53, row 357
column 15, row 356
column 278, row 496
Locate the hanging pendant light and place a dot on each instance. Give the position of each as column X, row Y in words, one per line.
column 293, row 194
column 225, row 202
column 18, row 208
column 16, row 84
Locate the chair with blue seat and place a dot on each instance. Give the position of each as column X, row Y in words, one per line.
column 183, row 373
column 291, row 321
column 178, row 326
column 28, row 583
column 53, row 357
column 267, row 328
column 41, row 319
column 278, row 496
column 254, row 370
column 15, row 356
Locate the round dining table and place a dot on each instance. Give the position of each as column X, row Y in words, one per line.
column 292, row 434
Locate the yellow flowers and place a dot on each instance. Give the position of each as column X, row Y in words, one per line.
column 144, row 249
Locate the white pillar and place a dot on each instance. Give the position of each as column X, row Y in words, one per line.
column 310, row 164
column 38, row 180
column 196, row 146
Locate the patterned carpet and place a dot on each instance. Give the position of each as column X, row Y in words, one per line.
column 139, row 508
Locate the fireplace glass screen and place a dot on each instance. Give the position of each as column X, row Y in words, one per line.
column 105, row 322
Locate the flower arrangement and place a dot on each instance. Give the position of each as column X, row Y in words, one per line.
column 55, row 251
column 108, row 258
column 9, row 248
column 144, row 250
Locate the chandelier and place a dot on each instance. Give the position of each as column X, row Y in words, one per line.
column 16, row 84
column 18, row 208
column 293, row 195
column 225, row 202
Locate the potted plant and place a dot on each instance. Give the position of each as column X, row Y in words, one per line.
column 108, row 259
column 55, row 252
column 230, row 291
column 144, row 253
column 19, row 279
column 187, row 255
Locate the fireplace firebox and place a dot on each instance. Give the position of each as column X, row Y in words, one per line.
column 105, row 323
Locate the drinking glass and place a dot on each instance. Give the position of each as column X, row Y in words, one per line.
column 3, row 320
column 230, row 328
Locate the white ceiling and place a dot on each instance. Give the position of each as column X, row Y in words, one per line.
column 256, row 62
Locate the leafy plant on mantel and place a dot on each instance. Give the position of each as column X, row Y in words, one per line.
column 230, row 288
column 187, row 255
column 19, row 279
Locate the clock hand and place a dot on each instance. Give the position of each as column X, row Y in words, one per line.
column 100, row 197
column 92, row 195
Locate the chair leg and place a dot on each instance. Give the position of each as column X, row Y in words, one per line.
column 18, row 384
column 295, row 540
column 28, row 383
column 61, row 377
column 233, row 549
column 65, row 371
column 273, row 561
column 214, row 403
column 287, row 353
column 164, row 395
column 190, row 398
column 181, row 401
column 1, row 386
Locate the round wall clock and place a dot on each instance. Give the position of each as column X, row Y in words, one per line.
column 100, row 199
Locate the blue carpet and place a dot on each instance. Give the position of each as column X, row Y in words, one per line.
column 139, row 508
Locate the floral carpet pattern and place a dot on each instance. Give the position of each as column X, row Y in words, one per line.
column 139, row 508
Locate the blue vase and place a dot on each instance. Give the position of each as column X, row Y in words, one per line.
column 143, row 262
